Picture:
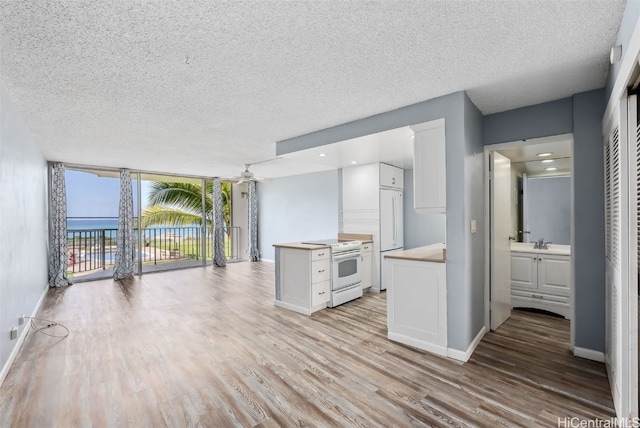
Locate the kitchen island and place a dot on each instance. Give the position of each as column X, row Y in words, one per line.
column 417, row 298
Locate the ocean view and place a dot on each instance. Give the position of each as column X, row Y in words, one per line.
column 111, row 225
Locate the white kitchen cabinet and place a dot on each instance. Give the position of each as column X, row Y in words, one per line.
column 366, row 265
column 541, row 281
column 391, row 176
column 429, row 167
column 417, row 298
column 303, row 279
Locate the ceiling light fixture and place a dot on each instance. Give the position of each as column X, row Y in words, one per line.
column 354, row 162
column 543, row 155
column 547, row 160
column 551, row 169
column 322, row 155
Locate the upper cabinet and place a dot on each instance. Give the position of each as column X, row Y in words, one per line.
column 391, row 176
column 429, row 169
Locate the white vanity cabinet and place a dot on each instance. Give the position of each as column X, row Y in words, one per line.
column 303, row 277
column 367, row 265
column 429, row 167
column 541, row 281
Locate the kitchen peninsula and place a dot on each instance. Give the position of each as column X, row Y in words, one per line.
column 417, row 297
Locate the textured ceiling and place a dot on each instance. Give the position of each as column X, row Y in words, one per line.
column 202, row 87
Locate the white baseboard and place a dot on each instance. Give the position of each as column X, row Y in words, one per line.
column 20, row 342
column 417, row 343
column 588, row 354
column 465, row 355
column 267, row 260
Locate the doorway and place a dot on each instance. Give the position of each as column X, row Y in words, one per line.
column 529, row 222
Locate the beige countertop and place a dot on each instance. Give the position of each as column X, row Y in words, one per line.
column 554, row 249
column 301, row 246
column 436, row 253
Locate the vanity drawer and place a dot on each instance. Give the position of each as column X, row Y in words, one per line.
column 320, row 271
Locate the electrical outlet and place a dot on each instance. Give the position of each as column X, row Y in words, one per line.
column 21, row 319
column 14, row 333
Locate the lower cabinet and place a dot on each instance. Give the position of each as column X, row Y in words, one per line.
column 367, row 265
column 303, row 279
column 541, row 281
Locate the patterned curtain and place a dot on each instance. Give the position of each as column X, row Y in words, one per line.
column 58, row 256
column 254, row 254
column 219, row 259
column 124, row 265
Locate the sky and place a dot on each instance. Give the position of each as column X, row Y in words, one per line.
column 91, row 196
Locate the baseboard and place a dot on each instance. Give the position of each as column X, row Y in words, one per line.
column 267, row 260
column 417, row 343
column 465, row 355
column 588, row 354
column 20, row 342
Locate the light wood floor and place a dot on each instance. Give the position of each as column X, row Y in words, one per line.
column 207, row 347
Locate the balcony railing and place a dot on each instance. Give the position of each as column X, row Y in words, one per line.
column 95, row 249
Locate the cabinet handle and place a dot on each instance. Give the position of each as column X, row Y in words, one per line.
column 322, row 292
column 320, row 254
column 320, row 271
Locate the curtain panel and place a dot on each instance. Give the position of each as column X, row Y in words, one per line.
column 58, row 255
column 124, row 266
column 219, row 258
column 254, row 254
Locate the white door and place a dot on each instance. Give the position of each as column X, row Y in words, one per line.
column 500, row 195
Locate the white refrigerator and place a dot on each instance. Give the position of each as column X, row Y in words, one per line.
column 391, row 227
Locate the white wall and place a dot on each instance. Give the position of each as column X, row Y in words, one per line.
column 297, row 208
column 23, row 224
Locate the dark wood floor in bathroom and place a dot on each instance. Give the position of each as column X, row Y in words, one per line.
column 207, row 347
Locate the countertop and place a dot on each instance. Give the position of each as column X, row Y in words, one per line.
column 527, row 247
column 301, row 246
column 436, row 253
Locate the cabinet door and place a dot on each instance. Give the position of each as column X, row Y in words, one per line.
column 367, row 271
column 391, row 176
column 360, row 185
column 553, row 274
column 429, row 169
column 524, row 271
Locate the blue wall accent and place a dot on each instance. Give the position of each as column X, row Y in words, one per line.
column 548, row 202
column 297, row 208
column 420, row 229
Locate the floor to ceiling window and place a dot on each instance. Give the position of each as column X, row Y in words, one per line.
column 172, row 222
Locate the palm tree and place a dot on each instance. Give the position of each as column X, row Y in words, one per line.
column 180, row 204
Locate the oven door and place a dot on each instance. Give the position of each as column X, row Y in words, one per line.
column 346, row 271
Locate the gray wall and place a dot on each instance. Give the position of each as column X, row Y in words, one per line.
column 628, row 23
column 297, row 208
column 23, row 224
column 474, row 210
column 582, row 116
column 588, row 193
column 420, row 229
column 548, row 202
column 451, row 107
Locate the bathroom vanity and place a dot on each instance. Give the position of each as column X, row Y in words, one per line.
column 541, row 278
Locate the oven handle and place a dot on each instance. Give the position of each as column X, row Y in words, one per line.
column 352, row 255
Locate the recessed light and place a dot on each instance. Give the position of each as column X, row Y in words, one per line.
column 551, row 169
column 354, row 162
column 544, row 155
column 547, row 161
column 322, row 155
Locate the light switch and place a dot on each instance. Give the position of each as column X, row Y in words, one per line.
column 474, row 229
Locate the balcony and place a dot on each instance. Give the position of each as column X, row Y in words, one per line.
column 92, row 252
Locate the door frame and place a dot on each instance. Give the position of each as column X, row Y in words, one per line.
column 487, row 226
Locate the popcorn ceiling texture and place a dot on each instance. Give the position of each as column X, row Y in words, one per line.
column 201, row 87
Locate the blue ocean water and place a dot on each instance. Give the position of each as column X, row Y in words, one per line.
column 110, row 225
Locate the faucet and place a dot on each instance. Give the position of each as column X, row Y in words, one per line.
column 541, row 245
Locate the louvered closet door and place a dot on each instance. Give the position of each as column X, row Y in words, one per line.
column 617, row 255
column 634, row 249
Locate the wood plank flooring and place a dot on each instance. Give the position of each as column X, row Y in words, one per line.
column 207, row 347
